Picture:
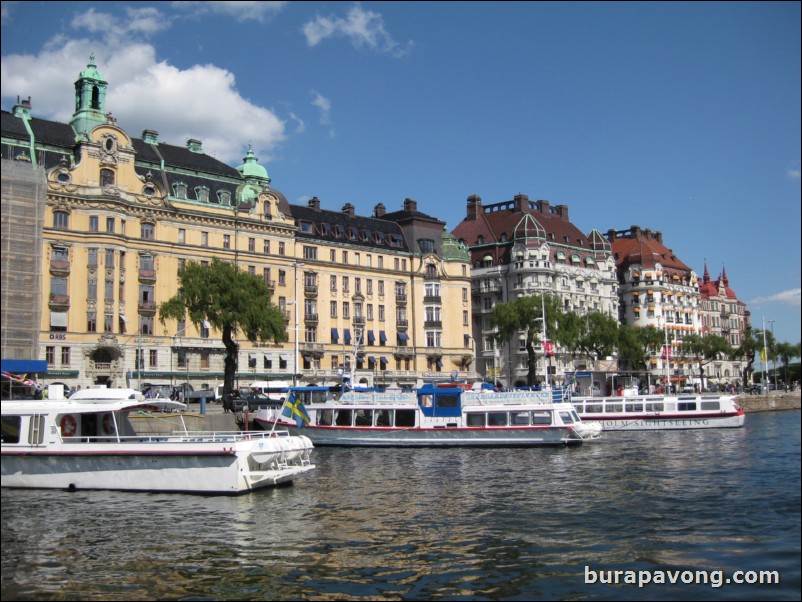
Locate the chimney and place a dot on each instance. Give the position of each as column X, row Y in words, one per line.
column 194, row 145
column 150, row 136
column 410, row 205
column 543, row 207
column 474, row 207
column 658, row 236
column 348, row 209
column 611, row 235
column 314, row 203
column 379, row 210
column 562, row 211
column 635, row 231
column 22, row 107
column 520, row 203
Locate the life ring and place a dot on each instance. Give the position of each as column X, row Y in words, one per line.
column 68, row 425
column 108, row 424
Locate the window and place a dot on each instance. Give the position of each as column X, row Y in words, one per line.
column 93, row 223
column 309, row 252
column 182, row 236
column 108, row 323
column 110, row 225
column 252, row 245
column 91, row 321
column 61, row 220
column 346, row 284
column 226, row 241
column 281, row 248
column 65, row 356
column 180, row 190
column 225, row 197
column 148, row 232
column 153, row 358
column 282, row 278
column 58, row 286
column 266, row 247
column 333, row 309
column 202, row 194
column 50, row 355
column 204, row 360
column 204, row 239
column 106, row 177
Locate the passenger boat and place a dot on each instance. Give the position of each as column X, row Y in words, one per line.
column 436, row 416
column 88, row 442
column 661, row 412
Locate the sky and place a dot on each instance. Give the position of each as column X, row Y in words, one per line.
column 683, row 118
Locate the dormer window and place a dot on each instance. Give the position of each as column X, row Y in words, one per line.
column 180, row 190
column 306, row 227
column 225, row 197
column 202, row 194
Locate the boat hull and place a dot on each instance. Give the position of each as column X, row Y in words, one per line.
column 209, row 469
column 662, row 423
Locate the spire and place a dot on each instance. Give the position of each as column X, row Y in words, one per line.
column 724, row 279
column 706, row 277
column 90, row 99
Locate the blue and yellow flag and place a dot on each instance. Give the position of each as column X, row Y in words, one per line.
column 294, row 408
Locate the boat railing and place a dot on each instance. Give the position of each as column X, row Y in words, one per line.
column 181, row 437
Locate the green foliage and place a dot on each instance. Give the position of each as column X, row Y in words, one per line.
column 232, row 301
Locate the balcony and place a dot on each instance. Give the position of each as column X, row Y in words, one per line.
column 59, row 302
column 147, row 276
column 311, row 318
column 401, row 298
column 310, row 290
column 146, row 308
column 433, row 324
column 59, row 268
column 404, row 351
column 359, row 320
column 432, row 299
column 401, row 324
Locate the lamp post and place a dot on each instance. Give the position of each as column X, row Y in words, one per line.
column 295, row 335
column 765, row 359
column 774, row 342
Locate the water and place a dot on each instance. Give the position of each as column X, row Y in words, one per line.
column 437, row 524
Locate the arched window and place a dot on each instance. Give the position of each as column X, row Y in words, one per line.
column 106, row 177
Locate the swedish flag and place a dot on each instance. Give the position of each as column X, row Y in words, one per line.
column 294, row 408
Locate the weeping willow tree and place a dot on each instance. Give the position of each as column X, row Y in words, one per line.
column 231, row 301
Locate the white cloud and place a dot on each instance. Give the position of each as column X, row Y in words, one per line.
column 240, row 11
column 791, row 297
column 361, row 27
column 200, row 102
column 794, row 171
column 324, row 106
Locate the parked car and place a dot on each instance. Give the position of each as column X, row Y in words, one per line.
column 754, row 389
column 252, row 401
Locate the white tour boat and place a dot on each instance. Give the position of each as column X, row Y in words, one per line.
column 88, row 442
column 430, row 416
column 633, row 412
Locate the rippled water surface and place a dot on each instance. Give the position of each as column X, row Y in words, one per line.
column 436, row 524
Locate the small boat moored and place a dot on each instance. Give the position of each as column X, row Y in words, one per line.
column 88, row 442
column 431, row 416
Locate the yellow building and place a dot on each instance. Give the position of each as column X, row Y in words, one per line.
column 123, row 214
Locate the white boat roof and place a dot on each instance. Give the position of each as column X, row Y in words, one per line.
column 92, row 400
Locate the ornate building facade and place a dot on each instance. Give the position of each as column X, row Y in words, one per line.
column 123, row 214
column 522, row 247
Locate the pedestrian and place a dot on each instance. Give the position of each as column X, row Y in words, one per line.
column 228, row 402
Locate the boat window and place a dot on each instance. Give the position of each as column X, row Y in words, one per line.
column 426, row 401
column 384, row 417
column 541, row 417
column 595, row 408
column 447, row 401
column 686, row 405
column 633, row 407
column 475, row 419
column 343, row 418
column 614, row 407
column 711, row 405
column 497, row 419
column 324, row 417
column 519, row 418
column 11, row 427
column 654, row 407
column 363, row 418
column 405, row 418
column 566, row 417
column 36, row 430
column 580, row 407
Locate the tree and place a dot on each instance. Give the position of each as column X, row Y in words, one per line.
column 525, row 315
column 594, row 334
column 706, row 349
column 231, row 301
column 786, row 352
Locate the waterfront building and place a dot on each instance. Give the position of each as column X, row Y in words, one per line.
column 117, row 217
column 522, row 247
column 657, row 289
column 723, row 314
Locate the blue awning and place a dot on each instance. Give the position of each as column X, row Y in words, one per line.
column 382, row 336
column 383, row 361
column 403, row 336
column 371, row 359
column 439, row 363
column 347, row 334
column 27, row 366
column 371, row 337
column 334, row 335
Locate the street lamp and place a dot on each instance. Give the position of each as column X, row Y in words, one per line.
column 297, row 309
column 774, row 342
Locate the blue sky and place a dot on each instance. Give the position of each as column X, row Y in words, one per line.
column 678, row 117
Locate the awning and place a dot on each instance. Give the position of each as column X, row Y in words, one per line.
column 123, row 319
column 382, row 336
column 383, row 362
column 371, row 337
column 334, row 335
column 206, row 324
column 439, row 363
column 24, row 366
column 403, row 336
column 371, row 359
column 347, row 335
column 58, row 319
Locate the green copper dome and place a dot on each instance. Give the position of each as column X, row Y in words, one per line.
column 251, row 167
column 91, row 71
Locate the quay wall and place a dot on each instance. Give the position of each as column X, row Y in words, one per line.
column 775, row 400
